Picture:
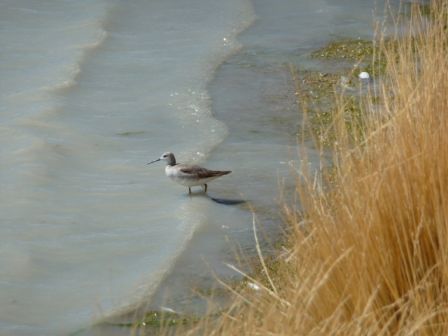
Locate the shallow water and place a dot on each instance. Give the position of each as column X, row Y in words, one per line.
column 92, row 90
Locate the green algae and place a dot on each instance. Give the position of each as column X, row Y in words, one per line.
column 362, row 54
column 318, row 91
column 345, row 49
column 317, row 95
column 159, row 319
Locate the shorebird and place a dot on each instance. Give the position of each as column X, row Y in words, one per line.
column 188, row 175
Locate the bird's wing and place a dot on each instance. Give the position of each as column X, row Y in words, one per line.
column 201, row 172
column 196, row 171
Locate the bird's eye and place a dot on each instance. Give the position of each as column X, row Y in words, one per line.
column 164, row 156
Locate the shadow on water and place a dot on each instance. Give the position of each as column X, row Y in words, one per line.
column 225, row 201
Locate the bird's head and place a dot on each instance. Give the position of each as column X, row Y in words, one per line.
column 168, row 157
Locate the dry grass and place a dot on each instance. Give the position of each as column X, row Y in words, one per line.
column 369, row 253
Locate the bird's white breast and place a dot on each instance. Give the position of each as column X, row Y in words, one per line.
column 180, row 177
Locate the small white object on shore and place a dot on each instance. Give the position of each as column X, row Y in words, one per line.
column 364, row 75
column 253, row 286
column 168, row 310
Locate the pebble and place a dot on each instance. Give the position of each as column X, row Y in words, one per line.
column 254, row 286
column 364, row 75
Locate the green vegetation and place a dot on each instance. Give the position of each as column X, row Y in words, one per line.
column 131, row 133
column 158, row 319
column 317, row 90
column 349, row 49
column 158, row 322
column 363, row 55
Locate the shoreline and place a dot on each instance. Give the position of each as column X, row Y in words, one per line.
column 315, row 82
column 181, row 317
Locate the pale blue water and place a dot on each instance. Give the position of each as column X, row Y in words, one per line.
column 92, row 90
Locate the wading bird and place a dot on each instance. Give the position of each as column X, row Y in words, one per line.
column 188, row 175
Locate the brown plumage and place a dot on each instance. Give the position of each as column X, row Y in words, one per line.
column 200, row 172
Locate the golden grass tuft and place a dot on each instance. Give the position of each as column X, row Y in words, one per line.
column 368, row 251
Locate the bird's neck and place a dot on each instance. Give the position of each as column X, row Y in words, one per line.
column 171, row 161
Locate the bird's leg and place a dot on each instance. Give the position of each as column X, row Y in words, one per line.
column 205, row 187
column 189, row 191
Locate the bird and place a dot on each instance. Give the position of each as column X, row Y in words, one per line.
column 188, row 175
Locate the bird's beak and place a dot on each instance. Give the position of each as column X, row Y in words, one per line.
column 154, row 161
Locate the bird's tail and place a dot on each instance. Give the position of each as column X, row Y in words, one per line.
column 221, row 172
